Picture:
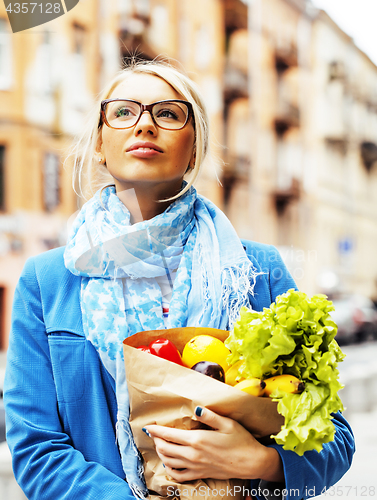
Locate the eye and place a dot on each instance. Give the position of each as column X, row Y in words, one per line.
column 167, row 114
column 123, row 112
column 170, row 114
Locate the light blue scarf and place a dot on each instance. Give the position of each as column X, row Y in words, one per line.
column 120, row 296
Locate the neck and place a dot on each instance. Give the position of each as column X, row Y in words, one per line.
column 142, row 201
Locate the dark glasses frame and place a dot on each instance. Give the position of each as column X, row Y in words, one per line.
column 145, row 107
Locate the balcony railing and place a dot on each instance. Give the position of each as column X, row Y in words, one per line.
column 287, row 116
column 368, row 151
column 283, row 196
column 236, row 83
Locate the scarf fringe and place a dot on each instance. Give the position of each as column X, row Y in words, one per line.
column 137, row 492
column 121, row 426
column 237, row 284
column 126, row 430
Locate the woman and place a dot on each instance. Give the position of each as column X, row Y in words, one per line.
column 144, row 244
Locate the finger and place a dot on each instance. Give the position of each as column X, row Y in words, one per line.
column 173, row 456
column 212, row 419
column 167, row 449
column 176, row 436
column 177, row 456
column 173, row 462
column 182, row 475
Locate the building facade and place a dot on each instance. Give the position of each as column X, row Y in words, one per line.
column 301, row 143
column 343, row 143
column 293, row 114
column 47, row 82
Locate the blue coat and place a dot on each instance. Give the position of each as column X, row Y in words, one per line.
column 60, row 400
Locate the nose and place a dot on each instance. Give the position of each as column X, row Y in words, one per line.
column 145, row 124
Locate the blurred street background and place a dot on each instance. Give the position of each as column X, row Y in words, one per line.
column 291, row 91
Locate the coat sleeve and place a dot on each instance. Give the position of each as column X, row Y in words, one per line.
column 314, row 472
column 45, row 463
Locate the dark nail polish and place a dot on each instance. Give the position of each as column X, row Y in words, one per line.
column 199, row 411
column 146, row 432
column 163, row 465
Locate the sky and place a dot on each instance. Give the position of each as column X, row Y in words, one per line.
column 357, row 18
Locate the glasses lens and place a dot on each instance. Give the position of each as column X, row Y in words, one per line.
column 170, row 115
column 122, row 114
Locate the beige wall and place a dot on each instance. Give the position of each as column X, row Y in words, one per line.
column 344, row 115
column 33, row 123
column 330, row 197
column 278, row 166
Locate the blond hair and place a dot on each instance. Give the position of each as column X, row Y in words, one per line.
column 84, row 150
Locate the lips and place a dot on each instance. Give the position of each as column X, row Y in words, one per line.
column 144, row 146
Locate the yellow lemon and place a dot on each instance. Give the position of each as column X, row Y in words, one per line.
column 205, row 348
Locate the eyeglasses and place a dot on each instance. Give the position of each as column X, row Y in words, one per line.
column 125, row 113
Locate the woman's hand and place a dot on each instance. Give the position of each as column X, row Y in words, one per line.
column 227, row 451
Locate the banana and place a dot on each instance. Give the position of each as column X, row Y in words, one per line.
column 284, row 383
column 253, row 386
column 232, row 376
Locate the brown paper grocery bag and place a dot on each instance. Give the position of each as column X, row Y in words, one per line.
column 165, row 393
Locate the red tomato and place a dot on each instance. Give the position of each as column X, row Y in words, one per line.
column 165, row 349
column 144, row 348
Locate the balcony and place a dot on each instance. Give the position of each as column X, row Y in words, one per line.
column 339, row 144
column 287, row 116
column 285, row 58
column 287, row 113
column 133, row 40
column 236, row 83
column 134, row 23
column 284, row 196
column 237, row 170
column 235, row 15
column 368, row 151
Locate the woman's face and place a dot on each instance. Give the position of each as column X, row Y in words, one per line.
column 131, row 161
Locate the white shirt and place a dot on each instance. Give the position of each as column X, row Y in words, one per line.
column 166, row 284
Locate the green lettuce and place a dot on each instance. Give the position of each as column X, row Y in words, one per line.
column 295, row 335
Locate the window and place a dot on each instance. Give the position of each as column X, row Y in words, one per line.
column 5, row 56
column 51, row 184
column 2, row 178
column 44, row 67
column 336, row 71
column 79, row 36
column 158, row 31
column 2, row 318
column 79, row 98
column 142, row 7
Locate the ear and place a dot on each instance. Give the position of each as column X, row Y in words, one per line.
column 100, row 157
column 99, row 143
column 193, row 158
column 191, row 165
